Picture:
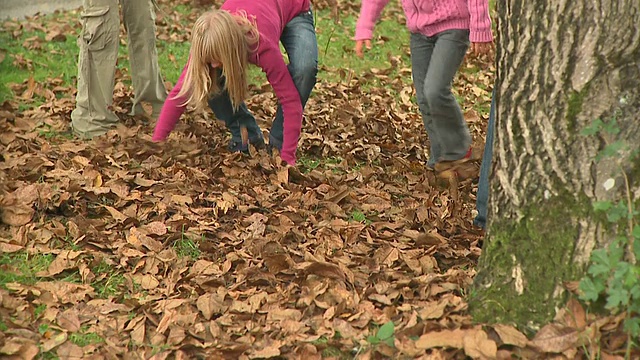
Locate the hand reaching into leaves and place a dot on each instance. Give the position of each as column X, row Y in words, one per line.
column 359, row 47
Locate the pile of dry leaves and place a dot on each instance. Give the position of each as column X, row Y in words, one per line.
column 305, row 263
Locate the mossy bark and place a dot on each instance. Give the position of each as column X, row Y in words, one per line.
column 561, row 65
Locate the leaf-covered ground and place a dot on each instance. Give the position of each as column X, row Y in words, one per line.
column 122, row 248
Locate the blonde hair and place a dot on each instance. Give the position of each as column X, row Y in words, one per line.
column 224, row 38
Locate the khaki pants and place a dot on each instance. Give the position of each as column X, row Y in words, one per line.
column 97, row 63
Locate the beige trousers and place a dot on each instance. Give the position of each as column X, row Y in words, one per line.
column 98, row 44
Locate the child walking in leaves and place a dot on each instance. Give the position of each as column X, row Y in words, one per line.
column 223, row 43
column 441, row 33
column 99, row 44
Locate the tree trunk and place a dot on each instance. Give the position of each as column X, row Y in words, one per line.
column 561, row 65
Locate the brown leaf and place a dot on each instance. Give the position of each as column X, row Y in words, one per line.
column 20, row 347
column 284, row 314
column 55, row 35
column 69, row 320
column 433, row 310
column 477, row 345
column 167, row 318
column 155, row 228
column 555, row 339
column 269, row 351
column 575, row 316
column 54, row 341
column 120, row 217
column 62, row 262
column 210, row 304
column 510, row 335
column 70, row 351
column 16, row 215
column 326, row 270
column 7, row 248
column 138, row 334
column 446, row 338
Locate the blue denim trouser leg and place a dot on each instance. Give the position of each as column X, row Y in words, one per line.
column 300, row 43
column 434, row 63
column 482, row 198
column 223, row 110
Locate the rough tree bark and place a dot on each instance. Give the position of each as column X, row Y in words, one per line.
column 561, row 65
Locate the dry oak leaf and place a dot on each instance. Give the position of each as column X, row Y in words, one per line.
column 16, row 215
column 325, row 269
column 210, row 304
column 553, row 338
column 510, row 335
column 6, row 248
column 70, row 351
column 16, row 208
column 575, row 316
column 445, row 338
column 477, row 345
column 20, row 348
column 54, row 341
column 271, row 350
column 65, row 260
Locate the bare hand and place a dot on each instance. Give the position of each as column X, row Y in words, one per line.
column 359, row 50
column 481, row 48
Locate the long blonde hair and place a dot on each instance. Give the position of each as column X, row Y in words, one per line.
column 226, row 39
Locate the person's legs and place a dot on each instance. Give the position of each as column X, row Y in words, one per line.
column 482, row 198
column 421, row 49
column 300, row 43
column 223, row 110
column 98, row 45
column 448, row 121
column 139, row 19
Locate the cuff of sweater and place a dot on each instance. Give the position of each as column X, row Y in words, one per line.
column 157, row 137
column 481, row 36
column 363, row 34
column 288, row 158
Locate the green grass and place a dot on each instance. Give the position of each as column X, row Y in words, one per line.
column 83, row 337
column 186, row 247
column 112, row 284
column 308, row 163
column 21, row 267
column 59, row 59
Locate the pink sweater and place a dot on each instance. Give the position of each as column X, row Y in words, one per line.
column 430, row 17
column 271, row 18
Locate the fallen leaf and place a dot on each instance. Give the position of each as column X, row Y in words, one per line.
column 510, row 335
column 446, row 338
column 555, row 339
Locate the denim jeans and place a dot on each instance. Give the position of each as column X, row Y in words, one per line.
column 435, row 61
column 482, row 198
column 300, row 43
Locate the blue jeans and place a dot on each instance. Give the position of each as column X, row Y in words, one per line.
column 434, row 63
column 300, row 43
column 482, row 198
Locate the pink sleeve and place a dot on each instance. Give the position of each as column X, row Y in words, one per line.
column 273, row 65
column 369, row 14
column 171, row 111
column 480, row 24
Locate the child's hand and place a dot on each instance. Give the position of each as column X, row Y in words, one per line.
column 359, row 44
column 481, row 48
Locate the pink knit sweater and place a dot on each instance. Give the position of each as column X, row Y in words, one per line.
column 271, row 18
column 430, row 17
